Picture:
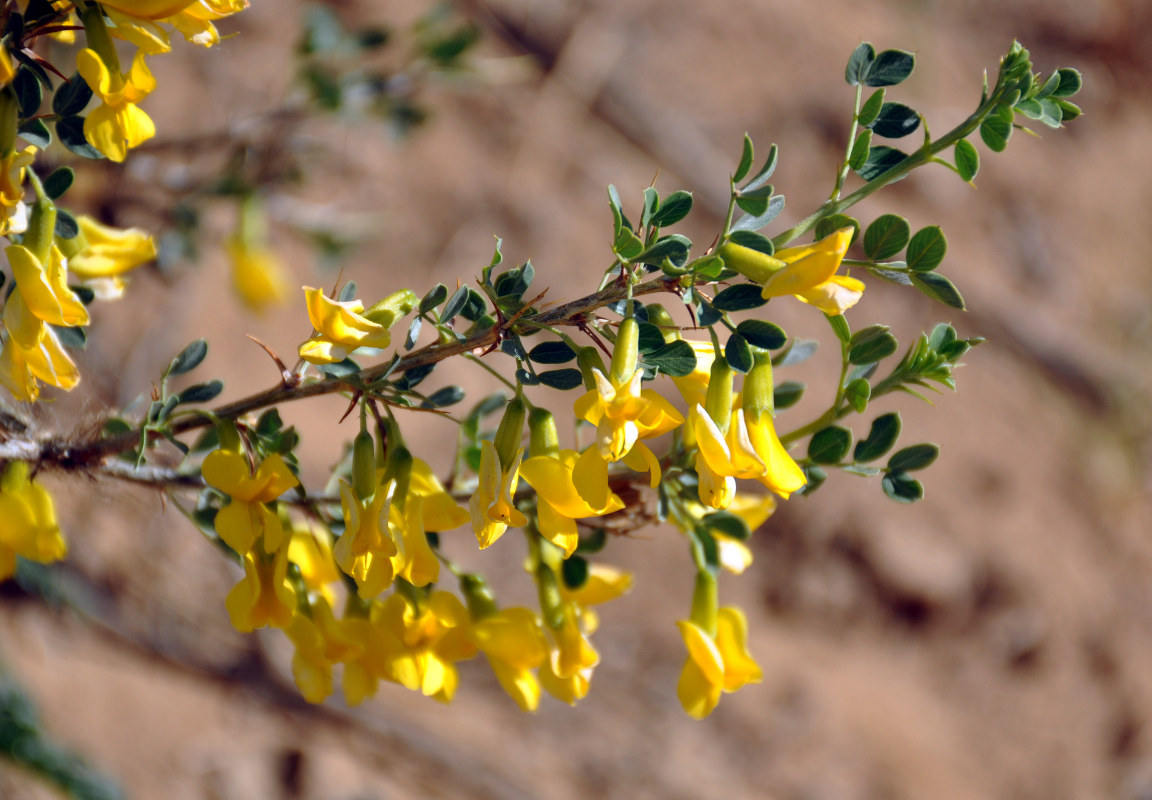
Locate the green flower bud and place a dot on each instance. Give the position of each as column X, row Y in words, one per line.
column 478, row 595
column 718, row 401
column 543, row 440
column 705, row 599
column 627, row 351
column 364, row 465
column 758, row 389
column 752, row 264
column 392, row 308
column 510, row 434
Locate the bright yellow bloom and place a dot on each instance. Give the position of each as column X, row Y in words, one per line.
column 119, row 125
column 365, row 549
column 513, row 640
column 28, row 526
column 195, row 21
column 321, row 641
column 258, row 274
column 780, row 472
column 108, row 254
column 424, row 644
column 7, row 69
column 807, row 271
column 715, row 665
column 248, row 517
column 567, row 673
column 491, row 506
column 565, row 495
column 148, row 9
column 32, row 352
column 144, row 34
column 264, row 596
column 414, row 560
column 310, row 549
column 623, row 413
column 441, row 512
column 340, row 329
column 13, row 215
column 694, row 385
column 44, row 287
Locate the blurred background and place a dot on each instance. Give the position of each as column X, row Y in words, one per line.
column 991, row 641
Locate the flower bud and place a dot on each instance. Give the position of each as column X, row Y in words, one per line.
column 399, row 469
column 510, row 434
column 478, row 595
column 718, row 401
column 588, row 359
column 228, row 435
column 627, row 351
column 364, row 465
column 396, row 305
column 705, row 599
column 543, row 439
column 659, row 316
column 758, row 389
column 752, row 264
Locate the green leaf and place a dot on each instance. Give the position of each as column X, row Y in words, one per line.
column 497, row 258
column 909, row 459
column 72, row 337
column 66, row 225
column 651, row 203
column 514, row 282
column 727, row 524
column 880, row 160
column 830, row 224
column 753, row 206
column 674, row 247
column 627, row 245
column 902, row 487
column 436, row 295
column 829, row 445
column 787, row 394
column 739, row 297
column 765, row 172
column 449, row 395
column 562, row 379
column 857, row 393
column 651, row 338
column 886, row 237
column 859, row 63
column 413, row 332
column 871, row 108
column 188, row 359
column 675, row 358
column 553, row 353
column 995, row 132
column 347, row 292
column 202, row 392
column 967, row 160
column 762, row 334
column 927, row 249
column 674, row 208
column 745, row 160
column 797, row 352
column 1070, row 82
column 1068, row 111
column 890, row 68
column 28, row 93
column 860, row 149
column 896, row 121
column 574, row 570
column 755, row 223
column 72, row 97
column 871, row 344
column 880, row 438
column 839, row 326
column 56, row 184
column 455, row 304
column 938, row 288
column 815, row 477
column 753, row 241
column 708, row 267
column 35, row 132
column 738, row 353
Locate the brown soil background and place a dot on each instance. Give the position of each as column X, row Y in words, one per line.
column 992, row 641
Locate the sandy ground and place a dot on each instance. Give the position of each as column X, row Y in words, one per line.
column 992, row 641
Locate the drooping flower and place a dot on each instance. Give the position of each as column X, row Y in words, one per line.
column 195, row 20
column 13, row 214
column 44, row 287
column 715, row 664
column 491, row 506
column 108, row 254
column 340, row 329
column 148, row 9
column 28, row 526
column 423, row 644
column 806, row 271
column 310, row 549
column 366, row 547
column 258, row 274
column 514, row 643
column 32, row 352
column 264, row 596
column 567, row 674
column 119, row 124
column 248, row 516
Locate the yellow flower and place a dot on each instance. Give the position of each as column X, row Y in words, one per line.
column 248, row 517
column 340, row 329
column 424, row 644
column 310, row 549
column 715, row 664
column 566, row 495
column 44, row 288
column 195, row 21
column 567, row 673
column 365, row 549
column 119, row 124
column 623, row 413
column 491, row 506
column 264, row 596
column 258, row 274
column 7, row 70
column 28, row 526
column 13, row 215
column 321, row 641
column 32, row 352
column 109, row 253
column 148, row 9
column 694, row 386
column 513, row 640
column 145, row 34
column 441, row 512
column 807, row 271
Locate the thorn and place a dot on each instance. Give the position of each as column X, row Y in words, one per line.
column 288, row 378
column 351, row 406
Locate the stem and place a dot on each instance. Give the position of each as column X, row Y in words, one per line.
column 844, row 168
